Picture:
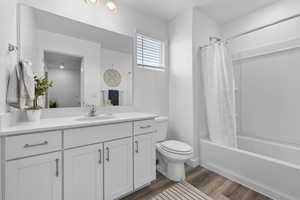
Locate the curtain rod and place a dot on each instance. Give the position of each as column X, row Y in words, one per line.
column 255, row 29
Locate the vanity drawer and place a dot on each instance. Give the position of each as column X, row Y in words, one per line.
column 32, row 144
column 145, row 126
column 91, row 135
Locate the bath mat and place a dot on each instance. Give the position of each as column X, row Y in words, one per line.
column 182, row 191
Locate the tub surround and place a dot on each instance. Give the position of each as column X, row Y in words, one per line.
column 72, row 158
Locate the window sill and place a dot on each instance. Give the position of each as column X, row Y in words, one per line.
column 162, row 69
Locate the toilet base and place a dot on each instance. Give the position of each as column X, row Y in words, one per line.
column 174, row 171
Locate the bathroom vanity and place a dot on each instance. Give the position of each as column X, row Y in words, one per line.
column 78, row 158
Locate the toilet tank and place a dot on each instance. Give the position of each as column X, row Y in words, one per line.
column 162, row 128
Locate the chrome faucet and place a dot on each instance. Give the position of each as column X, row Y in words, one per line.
column 92, row 111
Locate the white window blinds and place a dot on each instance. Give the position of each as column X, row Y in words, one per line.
column 149, row 52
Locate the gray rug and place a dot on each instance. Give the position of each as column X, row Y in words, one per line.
column 182, row 191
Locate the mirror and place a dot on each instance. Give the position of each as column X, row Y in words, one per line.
column 87, row 65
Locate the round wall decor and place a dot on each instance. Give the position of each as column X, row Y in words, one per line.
column 112, row 78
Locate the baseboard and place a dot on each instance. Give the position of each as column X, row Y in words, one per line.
column 194, row 162
column 247, row 182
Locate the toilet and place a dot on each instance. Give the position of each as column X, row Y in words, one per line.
column 171, row 154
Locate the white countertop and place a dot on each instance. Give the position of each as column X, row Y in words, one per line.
column 70, row 122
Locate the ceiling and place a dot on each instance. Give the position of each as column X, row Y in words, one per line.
column 220, row 10
column 61, row 25
column 164, row 9
column 224, row 11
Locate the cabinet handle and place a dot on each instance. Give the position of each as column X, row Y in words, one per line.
column 107, row 155
column 57, row 167
column 100, row 156
column 137, row 147
column 36, row 145
column 144, row 127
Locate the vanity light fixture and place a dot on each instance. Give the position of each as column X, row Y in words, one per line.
column 111, row 5
column 92, row 2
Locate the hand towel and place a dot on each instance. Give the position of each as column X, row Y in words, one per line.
column 27, row 87
column 12, row 96
column 113, row 96
column 21, row 88
column 104, row 96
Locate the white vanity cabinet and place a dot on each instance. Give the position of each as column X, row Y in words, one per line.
column 144, row 160
column 103, row 162
column 34, row 178
column 118, row 168
column 83, row 173
column 87, row 169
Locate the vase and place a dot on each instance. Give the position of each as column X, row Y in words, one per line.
column 34, row 115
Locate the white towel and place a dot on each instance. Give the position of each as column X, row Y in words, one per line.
column 20, row 91
column 26, row 85
column 12, row 97
column 104, row 96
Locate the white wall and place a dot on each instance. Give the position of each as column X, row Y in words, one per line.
column 122, row 62
column 91, row 60
column 181, row 110
column 151, row 93
column 268, row 84
column 28, row 36
column 187, row 33
column 125, row 21
column 8, row 35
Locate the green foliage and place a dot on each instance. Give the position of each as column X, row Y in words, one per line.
column 41, row 86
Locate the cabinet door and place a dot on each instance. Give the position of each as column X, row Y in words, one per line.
column 144, row 160
column 83, row 173
column 118, row 168
column 34, row 178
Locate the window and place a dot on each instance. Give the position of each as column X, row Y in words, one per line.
column 149, row 52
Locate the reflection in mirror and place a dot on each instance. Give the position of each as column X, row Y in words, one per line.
column 88, row 65
column 65, row 72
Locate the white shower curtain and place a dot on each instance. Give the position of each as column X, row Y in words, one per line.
column 219, row 92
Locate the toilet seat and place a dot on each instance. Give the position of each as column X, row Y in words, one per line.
column 176, row 147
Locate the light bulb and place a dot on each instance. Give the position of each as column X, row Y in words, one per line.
column 111, row 6
column 61, row 67
column 92, row 2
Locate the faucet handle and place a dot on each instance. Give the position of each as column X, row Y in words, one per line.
column 89, row 105
column 92, row 109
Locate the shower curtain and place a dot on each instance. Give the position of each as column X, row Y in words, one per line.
column 219, row 92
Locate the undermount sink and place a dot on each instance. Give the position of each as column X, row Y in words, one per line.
column 96, row 118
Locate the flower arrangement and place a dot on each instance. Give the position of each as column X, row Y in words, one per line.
column 41, row 86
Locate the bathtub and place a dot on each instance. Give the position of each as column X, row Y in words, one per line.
column 283, row 152
column 267, row 167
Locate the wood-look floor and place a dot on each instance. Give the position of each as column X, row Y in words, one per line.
column 214, row 185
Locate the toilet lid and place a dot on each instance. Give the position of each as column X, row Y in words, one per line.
column 176, row 147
